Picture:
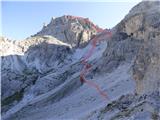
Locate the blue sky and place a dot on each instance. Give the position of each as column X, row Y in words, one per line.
column 22, row 19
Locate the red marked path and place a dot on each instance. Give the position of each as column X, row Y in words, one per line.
column 88, row 66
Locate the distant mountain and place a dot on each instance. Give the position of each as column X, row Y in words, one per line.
column 41, row 74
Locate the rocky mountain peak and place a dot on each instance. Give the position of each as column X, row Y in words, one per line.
column 76, row 31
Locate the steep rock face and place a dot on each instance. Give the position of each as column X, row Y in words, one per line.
column 76, row 31
column 137, row 39
column 146, row 65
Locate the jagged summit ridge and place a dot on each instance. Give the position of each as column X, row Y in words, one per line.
column 76, row 31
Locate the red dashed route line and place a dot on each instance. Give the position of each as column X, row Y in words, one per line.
column 88, row 66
